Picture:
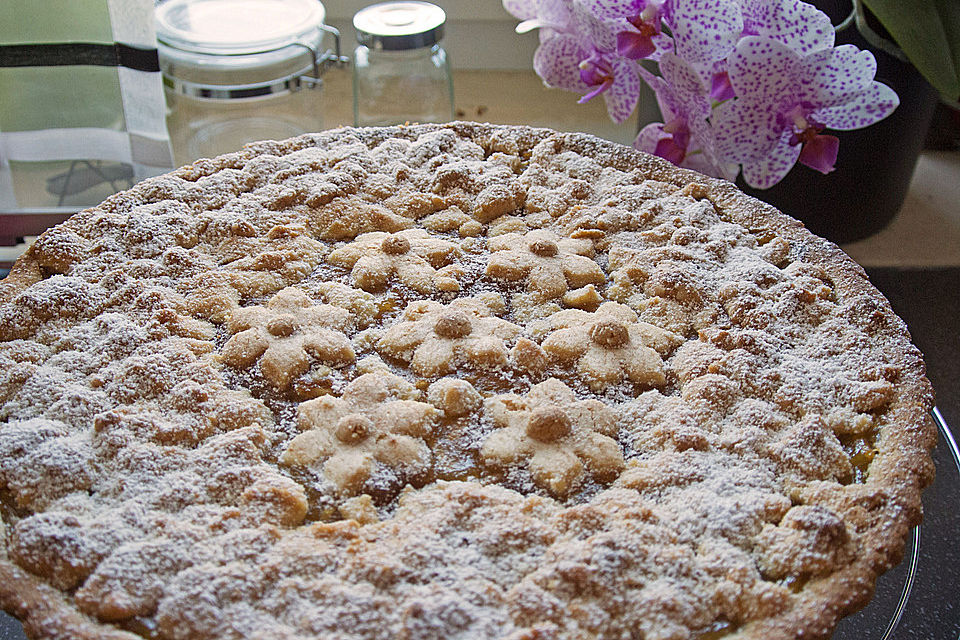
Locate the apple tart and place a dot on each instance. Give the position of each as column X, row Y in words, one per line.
column 448, row 381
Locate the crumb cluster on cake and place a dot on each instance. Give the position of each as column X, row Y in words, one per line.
column 448, row 381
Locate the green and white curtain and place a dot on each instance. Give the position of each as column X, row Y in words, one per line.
column 81, row 101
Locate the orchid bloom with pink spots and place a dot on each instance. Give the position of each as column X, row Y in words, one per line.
column 742, row 83
column 796, row 24
column 784, row 101
column 572, row 63
column 685, row 138
column 700, row 31
column 577, row 52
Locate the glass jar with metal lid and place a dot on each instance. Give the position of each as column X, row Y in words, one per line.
column 400, row 71
column 236, row 71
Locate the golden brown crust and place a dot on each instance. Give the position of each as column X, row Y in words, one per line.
column 45, row 613
column 829, row 474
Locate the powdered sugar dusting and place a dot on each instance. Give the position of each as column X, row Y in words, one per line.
column 144, row 473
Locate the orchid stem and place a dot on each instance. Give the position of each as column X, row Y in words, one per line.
column 872, row 37
column 847, row 22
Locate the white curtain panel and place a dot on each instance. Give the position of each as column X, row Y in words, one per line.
column 80, row 83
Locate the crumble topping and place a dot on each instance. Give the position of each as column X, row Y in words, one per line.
column 558, row 438
column 448, row 382
column 435, row 338
column 456, row 398
column 609, row 346
column 285, row 335
column 410, row 256
column 374, row 421
column 548, row 265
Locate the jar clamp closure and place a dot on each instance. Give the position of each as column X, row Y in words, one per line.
column 234, row 71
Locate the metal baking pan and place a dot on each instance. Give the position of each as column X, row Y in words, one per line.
column 919, row 599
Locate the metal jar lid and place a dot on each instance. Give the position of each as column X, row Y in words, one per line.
column 236, row 27
column 397, row 26
column 242, row 49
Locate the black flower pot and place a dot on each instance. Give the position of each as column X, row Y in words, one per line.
column 874, row 165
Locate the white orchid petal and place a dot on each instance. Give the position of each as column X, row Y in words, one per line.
column 555, row 12
column 798, row 25
column 600, row 32
column 521, row 9
column 623, row 95
column 744, row 131
column 529, row 25
column 868, row 107
column 648, row 137
column 612, row 9
column 687, row 85
column 704, row 31
column 767, row 172
column 557, row 61
column 844, row 74
column 765, row 70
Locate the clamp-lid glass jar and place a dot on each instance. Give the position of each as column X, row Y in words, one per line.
column 236, row 71
column 400, row 71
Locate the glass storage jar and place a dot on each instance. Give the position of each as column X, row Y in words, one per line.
column 400, row 71
column 236, row 71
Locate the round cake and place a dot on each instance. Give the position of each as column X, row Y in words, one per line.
column 449, row 382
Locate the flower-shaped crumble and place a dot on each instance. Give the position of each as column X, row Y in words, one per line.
column 361, row 305
column 549, row 265
column 452, row 219
column 374, row 421
column 610, row 345
column 253, row 267
column 456, row 398
column 414, row 257
column 556, row 437
column 285, row 335
column 435, row 338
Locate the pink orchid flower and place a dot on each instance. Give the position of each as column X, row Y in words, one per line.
column 573, row 63
column 578, row 53
column 741, row 84
column 701, row 31
column 784, row 101
column 686, row 137
column 799, row 25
